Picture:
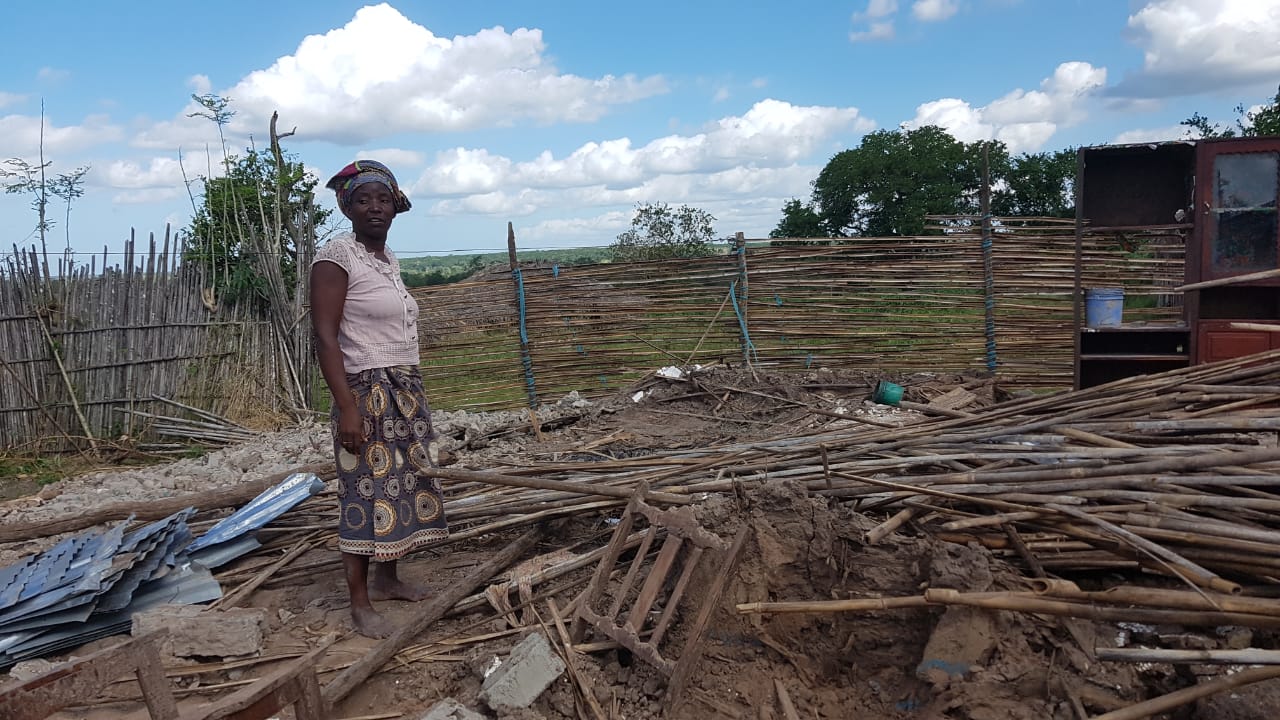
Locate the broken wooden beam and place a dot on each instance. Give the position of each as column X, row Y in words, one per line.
column 427, row 613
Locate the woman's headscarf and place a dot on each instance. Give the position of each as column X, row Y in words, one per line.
column 366, row 171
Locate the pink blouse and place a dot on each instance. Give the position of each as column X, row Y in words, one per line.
column 379, row 326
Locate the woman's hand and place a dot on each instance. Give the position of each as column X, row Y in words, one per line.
column 351, row 432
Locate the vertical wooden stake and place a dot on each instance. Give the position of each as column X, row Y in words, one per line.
column 525, row 358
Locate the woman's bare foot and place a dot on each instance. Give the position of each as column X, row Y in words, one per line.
column 370, row 623
column 381, row 588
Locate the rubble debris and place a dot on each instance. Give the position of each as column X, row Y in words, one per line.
column 526, row 673
column 450, row 709
column 1183, row 461
column 195, row 631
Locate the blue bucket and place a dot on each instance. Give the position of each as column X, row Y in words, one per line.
column 1103, row 307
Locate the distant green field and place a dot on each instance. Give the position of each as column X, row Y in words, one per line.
column 442, row 269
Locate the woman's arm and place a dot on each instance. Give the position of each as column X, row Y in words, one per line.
column 328, row 295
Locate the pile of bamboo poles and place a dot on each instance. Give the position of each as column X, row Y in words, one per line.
column 1167, row 475
column 1172, row 474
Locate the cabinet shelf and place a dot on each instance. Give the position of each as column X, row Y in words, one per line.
column 1138, row 357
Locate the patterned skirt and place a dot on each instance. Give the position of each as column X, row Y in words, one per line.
column 386, row 508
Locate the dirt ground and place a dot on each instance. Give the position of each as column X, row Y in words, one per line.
column 891, row 664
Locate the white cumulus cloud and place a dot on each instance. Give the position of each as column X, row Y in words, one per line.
column 875, row 31
column 1145, row 135
column 877, row 9
column 772, row 134
column 934, row 10
column 337, row 90
column 158, row 172
column 878, row 21
column 20, row 135
column 1192, row 46
column 1024, row 120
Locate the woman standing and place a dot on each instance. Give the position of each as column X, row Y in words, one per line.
column 365, row 325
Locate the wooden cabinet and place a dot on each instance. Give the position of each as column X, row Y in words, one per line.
column 1238, row 228
column 1108, row 354
column 1227, row 193
column 1219, row 340
column 1237, row 232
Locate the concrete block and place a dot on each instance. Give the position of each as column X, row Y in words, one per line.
column 963, row 640
column 195, row 631
column 450, row 709
column 528, row 671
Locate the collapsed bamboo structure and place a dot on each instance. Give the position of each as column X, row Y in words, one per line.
column 1169, row 475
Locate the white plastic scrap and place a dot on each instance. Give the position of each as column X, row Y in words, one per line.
column 494, row 664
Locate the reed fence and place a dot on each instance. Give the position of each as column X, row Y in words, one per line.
column 94, row 353
column 90, row 353
column 896, row 304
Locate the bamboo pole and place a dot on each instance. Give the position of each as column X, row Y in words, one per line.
column 1030, row 604
column 424, row 615
column 1189, row 695
column 1248, row 656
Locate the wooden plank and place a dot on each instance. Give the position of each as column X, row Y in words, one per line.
column 691, row 653
column 633, row 571
column 653, row 583
column 78, row 681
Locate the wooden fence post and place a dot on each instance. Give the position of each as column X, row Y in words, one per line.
column 525, row 358
column 740, row 295
column 988, row 268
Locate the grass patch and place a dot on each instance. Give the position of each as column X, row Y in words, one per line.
column 42, row 469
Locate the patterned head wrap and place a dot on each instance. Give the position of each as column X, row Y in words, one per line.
column 366, row 171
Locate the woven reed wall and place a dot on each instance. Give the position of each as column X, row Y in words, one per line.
column 895, row 304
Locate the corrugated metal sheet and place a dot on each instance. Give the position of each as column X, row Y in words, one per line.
column 228, row 539
column 90, row 585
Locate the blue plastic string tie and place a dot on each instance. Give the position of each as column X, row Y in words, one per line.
column 525, row 358
column 989, row 300
column 555, row 270
column 742, row 323
column 808, row 361
column 777, row 301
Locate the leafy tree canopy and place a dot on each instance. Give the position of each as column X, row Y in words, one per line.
column 799, row 220
column 1263, row 121
column 241, row 206
column 659, row 231
column 894, row 178
column 1038, row 185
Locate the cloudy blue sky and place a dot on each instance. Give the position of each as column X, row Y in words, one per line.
column 560, row 116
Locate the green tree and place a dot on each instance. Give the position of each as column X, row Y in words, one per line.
column 68, row 187
column 20, row 177
column 1038, row 185
column 238, row 209
column 1263, row 122
column 799, row 220
column 659, row 232
column 894, row 178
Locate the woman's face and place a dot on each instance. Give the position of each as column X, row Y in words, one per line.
column 371, row 210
